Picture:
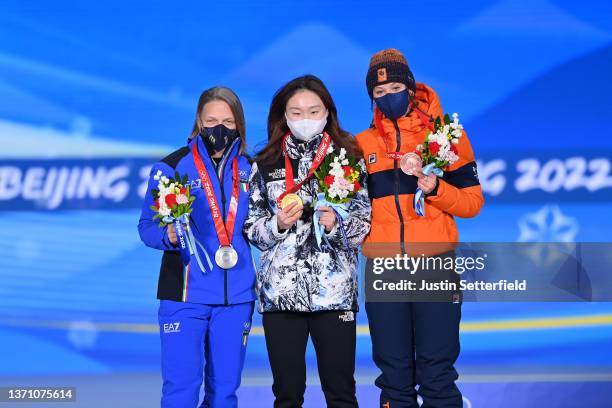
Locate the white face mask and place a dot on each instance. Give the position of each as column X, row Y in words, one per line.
column 306, row 129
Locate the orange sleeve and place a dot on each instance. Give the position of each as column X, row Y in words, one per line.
column 459, row 192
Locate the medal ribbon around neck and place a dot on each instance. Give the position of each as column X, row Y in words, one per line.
column 291, row 187
column 225, row 231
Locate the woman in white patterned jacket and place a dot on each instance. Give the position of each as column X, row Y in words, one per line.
column 305, row 288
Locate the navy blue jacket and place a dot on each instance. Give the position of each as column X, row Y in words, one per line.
column 190, row 284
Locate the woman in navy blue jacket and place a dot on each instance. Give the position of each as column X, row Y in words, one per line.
column 206, row 306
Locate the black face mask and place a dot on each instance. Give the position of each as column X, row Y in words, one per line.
column 218, row 138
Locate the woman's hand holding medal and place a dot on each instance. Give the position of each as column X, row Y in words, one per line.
column 289, row 215
column 411, row 164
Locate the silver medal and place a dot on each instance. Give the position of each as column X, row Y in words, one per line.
column 226, row 257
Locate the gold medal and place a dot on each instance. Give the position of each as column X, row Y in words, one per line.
column 291, row 198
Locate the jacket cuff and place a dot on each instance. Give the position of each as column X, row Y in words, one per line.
column 434, row 192
column 169, row 246
column 276, row 233
column 333, row 231
column 442, row 199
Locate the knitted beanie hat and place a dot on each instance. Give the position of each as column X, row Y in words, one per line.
column 386, row 66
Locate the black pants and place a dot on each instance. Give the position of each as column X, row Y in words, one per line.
column 333, row 336
column 416, row 343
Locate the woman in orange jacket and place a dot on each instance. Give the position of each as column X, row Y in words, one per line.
column 413, row 342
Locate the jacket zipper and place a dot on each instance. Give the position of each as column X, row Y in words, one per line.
column 221, row 180
column 396, row 174
column 228, row 151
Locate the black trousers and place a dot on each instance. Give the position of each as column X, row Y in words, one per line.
column 333, row 336
column 416, row 343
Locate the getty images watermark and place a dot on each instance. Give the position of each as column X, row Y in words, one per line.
column 431, row 266
column 489, row 272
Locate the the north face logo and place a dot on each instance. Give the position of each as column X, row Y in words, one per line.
column 277, row 174
column 347, row 316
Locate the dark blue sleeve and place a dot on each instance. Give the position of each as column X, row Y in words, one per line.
column 149, row 230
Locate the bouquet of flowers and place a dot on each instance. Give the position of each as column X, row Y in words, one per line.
column 440, row 146
column 338, row 178
column 172, row 198
column 173, row 201
column 438, row 151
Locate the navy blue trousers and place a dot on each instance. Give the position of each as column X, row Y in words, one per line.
column 415, row 345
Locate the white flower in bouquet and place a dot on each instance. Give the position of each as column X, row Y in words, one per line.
column 164, row 210
column 340, row 188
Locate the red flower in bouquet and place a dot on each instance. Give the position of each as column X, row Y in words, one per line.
column 434, row 148
column 171, row 200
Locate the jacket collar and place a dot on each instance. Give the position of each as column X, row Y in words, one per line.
column 230, row 152
column 298, row 149
column 412, row 127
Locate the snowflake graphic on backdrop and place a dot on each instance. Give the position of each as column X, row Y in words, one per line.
column 548, row 225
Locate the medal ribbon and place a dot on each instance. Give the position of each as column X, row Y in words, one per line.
column 225, row 231
column 183, row 244
column 316, row 162
column 419, row 196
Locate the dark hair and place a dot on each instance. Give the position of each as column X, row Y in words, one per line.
column 277, row 123
column 221, row 93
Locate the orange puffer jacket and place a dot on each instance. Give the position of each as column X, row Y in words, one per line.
column 396, row 228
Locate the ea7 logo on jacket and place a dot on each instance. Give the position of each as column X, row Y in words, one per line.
column 194, row 184
column 172, row 327
column 277, row 174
